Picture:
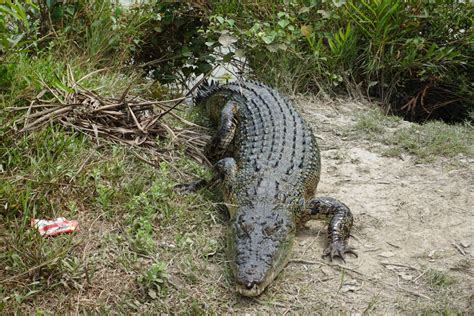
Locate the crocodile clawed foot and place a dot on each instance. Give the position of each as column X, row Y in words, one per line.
column 338, row 249
column 186, row 188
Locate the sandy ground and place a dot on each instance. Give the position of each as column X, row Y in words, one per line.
column 413, row 231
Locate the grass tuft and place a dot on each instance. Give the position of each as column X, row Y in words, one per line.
column 425, row 142
column 438, row 280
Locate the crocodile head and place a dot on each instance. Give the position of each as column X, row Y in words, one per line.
column 259, row 246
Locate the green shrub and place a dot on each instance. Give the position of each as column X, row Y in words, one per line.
column 16, row 27
column 171, row 45
column 412, row 55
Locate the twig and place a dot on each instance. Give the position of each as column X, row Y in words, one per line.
column 398, row 265
column 187, row 94
column 145, row 160
column 303, row 261
column 46, row 117
column 458, row 248
column 81, row 167
column 393, row 245
column 135, row 120
column 124, row 94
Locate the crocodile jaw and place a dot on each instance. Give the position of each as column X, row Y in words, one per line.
column 257, row 289
column 280, row 260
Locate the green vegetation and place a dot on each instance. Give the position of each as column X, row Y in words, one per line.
column 438, row 279
column 127, row 211
column 414, row 56
column 426, row 141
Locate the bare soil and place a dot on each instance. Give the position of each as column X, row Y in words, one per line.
column 413, row 231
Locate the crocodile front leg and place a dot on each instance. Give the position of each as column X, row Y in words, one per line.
column 221, row 142
column 224, row 173
column 216, row 149
column 340, row 224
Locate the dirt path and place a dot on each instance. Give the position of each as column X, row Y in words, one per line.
column 412, row 224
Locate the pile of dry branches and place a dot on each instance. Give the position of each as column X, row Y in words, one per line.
column 129, row 120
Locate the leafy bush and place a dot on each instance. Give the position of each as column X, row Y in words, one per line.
column 416, row 57
column 16, row 31
column 16, row 28
column 171, row 45
column 99, row 29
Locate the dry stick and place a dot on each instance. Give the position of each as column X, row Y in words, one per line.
column 145, row 160
column 136, row 121
column 152, row 122
column 364, row 275
column 91, row 73
column 113, row 113
column 27, row 115
column 420, row 275
column 107, row 107
column 51, row 90
column 458, row 248
column 398, row 265
column 36, row 106
column 169, row 131
column 49, row 110
column 187, row 94
column 44, row 118
column 124, row 94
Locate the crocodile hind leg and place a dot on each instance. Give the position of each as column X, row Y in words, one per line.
column 340, row 224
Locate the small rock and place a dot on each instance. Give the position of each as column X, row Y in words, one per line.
column 326, row 271
column 152, row 294
column 405, row 276
column 432, row 253
column 386, row 254
column 351, row 286
column 165, row 244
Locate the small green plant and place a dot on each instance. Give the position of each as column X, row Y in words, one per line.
column 154, row 280
column 437, row 280
column 374, row 122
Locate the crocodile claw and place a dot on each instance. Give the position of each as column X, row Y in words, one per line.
column 185, row 188
column 338, row 249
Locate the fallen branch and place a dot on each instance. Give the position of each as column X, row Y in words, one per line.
column 129, row 120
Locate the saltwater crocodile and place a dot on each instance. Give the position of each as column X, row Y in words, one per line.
column 268, row 162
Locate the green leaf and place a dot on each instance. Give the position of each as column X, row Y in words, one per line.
column 50, row 3
column 226, row 40
column 283, row 23
column 269, row 38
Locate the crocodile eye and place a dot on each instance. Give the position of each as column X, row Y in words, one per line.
column 243, row 228
column 270, row 230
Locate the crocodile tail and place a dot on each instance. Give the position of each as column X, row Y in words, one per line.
column 206, row 88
